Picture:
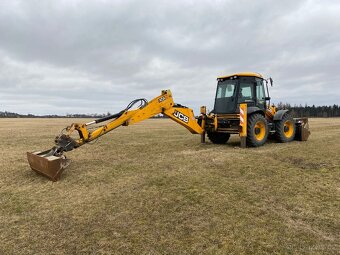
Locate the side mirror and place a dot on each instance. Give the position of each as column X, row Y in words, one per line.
column 267, row 98
column 271, row 81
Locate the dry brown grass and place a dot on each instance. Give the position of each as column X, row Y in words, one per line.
column 153, row 188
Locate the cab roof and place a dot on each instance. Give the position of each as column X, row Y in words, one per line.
column 242, row 74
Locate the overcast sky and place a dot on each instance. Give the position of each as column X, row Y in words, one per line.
column 60, row 57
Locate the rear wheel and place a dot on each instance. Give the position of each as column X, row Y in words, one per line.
column 218, row 138
column 285, row 129
column 257, row 130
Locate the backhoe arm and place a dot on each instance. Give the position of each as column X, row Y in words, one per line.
column 52, row 162
column 161, row 104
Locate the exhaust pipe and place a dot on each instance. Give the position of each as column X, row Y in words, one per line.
column 48, row 163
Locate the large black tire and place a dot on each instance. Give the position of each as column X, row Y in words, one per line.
column 257, row 130
column 218, row 138
column 285, row 129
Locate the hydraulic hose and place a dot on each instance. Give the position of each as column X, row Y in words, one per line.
column 143, row 103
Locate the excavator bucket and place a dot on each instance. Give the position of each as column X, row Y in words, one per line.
column 47, row 164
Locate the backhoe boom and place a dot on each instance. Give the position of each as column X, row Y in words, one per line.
column 42, row 162
column 161, row 104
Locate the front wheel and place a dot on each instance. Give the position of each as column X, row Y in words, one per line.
column 285, row 129
column 257, row 130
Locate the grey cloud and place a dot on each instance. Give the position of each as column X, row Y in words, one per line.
column 84, row 56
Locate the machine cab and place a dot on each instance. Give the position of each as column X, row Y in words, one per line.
column 232, row 90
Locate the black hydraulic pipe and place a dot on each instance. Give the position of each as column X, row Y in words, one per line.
column 117, row 115
column 144, row 102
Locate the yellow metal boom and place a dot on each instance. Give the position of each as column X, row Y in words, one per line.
column 162, row 104
column 51, row 163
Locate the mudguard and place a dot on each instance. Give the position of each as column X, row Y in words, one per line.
column 253, row 109
column 279, row 114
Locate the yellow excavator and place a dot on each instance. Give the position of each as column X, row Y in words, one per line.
column 242, row 106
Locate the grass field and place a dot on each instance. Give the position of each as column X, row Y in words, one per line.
column 152, row 188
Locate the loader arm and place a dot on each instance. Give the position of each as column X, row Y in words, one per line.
column 52, row 162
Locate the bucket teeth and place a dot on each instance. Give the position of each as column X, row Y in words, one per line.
column 47, row 164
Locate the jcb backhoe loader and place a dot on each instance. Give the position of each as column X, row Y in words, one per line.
column 241, row 107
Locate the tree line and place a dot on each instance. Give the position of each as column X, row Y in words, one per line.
column 311, row 111
column 297, row 111
column 6, row 114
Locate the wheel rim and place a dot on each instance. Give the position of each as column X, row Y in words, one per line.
column 261, row 131
column 288, row 129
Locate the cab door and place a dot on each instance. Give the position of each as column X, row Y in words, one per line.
column 246, row 93
column 260, row 94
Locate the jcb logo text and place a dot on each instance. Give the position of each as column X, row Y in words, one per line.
column 161, row 99
column 181, row 116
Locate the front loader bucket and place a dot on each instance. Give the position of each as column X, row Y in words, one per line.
column 48, row 165
column 302, row 129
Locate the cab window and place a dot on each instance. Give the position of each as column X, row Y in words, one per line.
column 260, row 96
column 225, row 89
column 245, row 93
